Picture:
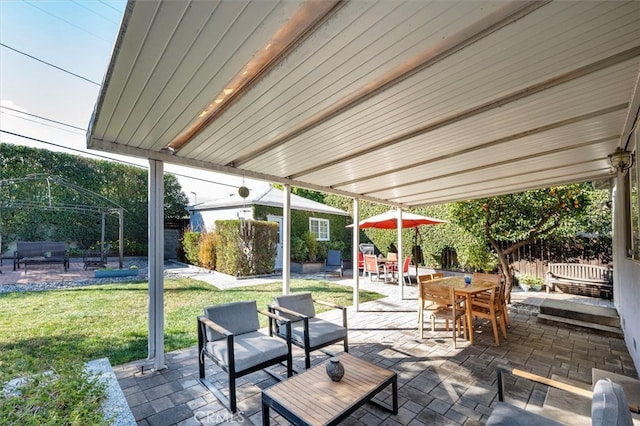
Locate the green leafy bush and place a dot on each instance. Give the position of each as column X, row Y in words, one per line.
column 299, row 250
column 207, row 250
column 312, row 245
column 190, row 241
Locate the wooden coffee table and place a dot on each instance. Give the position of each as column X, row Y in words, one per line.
column 311, row 398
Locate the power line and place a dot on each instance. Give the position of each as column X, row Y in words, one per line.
column 94, row 12
column 113, row 159
column 43, row 118
column 67, row 22
column 109, row 6
column 74, row 131
column 50, row 64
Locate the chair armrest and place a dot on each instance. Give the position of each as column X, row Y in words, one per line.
column 271, row 315
column 329, row 304
column 287, row 311
column 538, row 379
column 214, row 326
column 333, row 305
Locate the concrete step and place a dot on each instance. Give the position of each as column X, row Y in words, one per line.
column 581, row 312
column 605, row 330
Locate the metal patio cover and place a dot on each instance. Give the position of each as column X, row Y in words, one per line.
column 389, row 220
column 405, row 103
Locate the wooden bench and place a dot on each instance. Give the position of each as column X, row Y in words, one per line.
column 581, row 279
column 40, row 252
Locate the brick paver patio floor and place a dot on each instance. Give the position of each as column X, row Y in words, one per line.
column 438, row 385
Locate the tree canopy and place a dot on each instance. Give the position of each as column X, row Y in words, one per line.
column 124, row 185
column 521, row 218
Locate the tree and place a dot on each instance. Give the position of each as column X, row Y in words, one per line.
column 122, row 184
column 519, row 219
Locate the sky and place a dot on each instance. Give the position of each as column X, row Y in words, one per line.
column 53, row 57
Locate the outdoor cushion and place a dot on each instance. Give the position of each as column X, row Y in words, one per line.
column 298, row 302
column 250, row 349
column 320, row 332
column 609, row 405
column 237, row 317
column 510, row 415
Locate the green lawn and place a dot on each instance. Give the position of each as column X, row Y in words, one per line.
column 91, row 322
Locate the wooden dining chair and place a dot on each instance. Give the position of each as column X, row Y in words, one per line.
column 426, row 278
column 497, row 279
column 448, row 306
column 490, row 308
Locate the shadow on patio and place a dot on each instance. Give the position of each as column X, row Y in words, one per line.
column 437, row 384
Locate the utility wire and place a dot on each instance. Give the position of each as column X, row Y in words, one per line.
column 74, row 131
column 113, row 159
column 50, row 64
column 109, row 6
column 94, row 12
column 68, row 22
column 43, row 118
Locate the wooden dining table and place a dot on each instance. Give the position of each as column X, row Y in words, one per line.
column 460, row 289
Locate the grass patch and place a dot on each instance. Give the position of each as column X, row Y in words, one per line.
column 40, row 329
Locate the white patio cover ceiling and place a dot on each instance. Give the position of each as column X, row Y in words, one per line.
column 406, row 103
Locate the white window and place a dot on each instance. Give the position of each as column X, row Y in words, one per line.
column 319, row 228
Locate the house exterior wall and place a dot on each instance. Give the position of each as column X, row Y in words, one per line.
column 627, row 297
column 300, row 224
column 206, row 219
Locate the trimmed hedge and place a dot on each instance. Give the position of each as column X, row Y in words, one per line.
column 246, row 247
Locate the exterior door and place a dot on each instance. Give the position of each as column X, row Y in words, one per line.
column 278, row 219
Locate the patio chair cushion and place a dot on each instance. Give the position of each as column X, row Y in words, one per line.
column 320, row 332
column 510, row 415
column 609, row 404
column 298, row 302
column 250, row 349
column 237, row 317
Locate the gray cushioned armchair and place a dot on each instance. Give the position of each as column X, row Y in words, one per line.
column 228, row 335
column 307, row 331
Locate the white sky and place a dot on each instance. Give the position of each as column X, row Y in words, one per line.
column 77, row 36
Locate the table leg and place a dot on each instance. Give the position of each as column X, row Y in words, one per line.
column 469, row 317
column 394, row 391
column 265, row 414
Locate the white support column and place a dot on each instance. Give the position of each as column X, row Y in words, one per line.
column 619, row 218
column 400, row 256
column 286, row 240
column 121, row 237
column 354, row 254
column 156, row 264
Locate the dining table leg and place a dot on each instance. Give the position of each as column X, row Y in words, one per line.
column 469, row 316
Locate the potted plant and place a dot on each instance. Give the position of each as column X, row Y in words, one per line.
column 530, row 282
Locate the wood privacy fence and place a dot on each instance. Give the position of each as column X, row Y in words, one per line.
column 532, row 259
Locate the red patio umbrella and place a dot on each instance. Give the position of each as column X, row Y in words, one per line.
column 389, row 220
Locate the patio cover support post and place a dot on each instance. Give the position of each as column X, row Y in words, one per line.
column 619, row 240
column 102, row 226
column 121, row 236
column 355, row 251
column 400, row 256
column 286, row 239
column 156, row 266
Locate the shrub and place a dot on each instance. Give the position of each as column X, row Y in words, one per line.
column 190, row 241
column 312, row 245
column 299, row 251
column 207, row 250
